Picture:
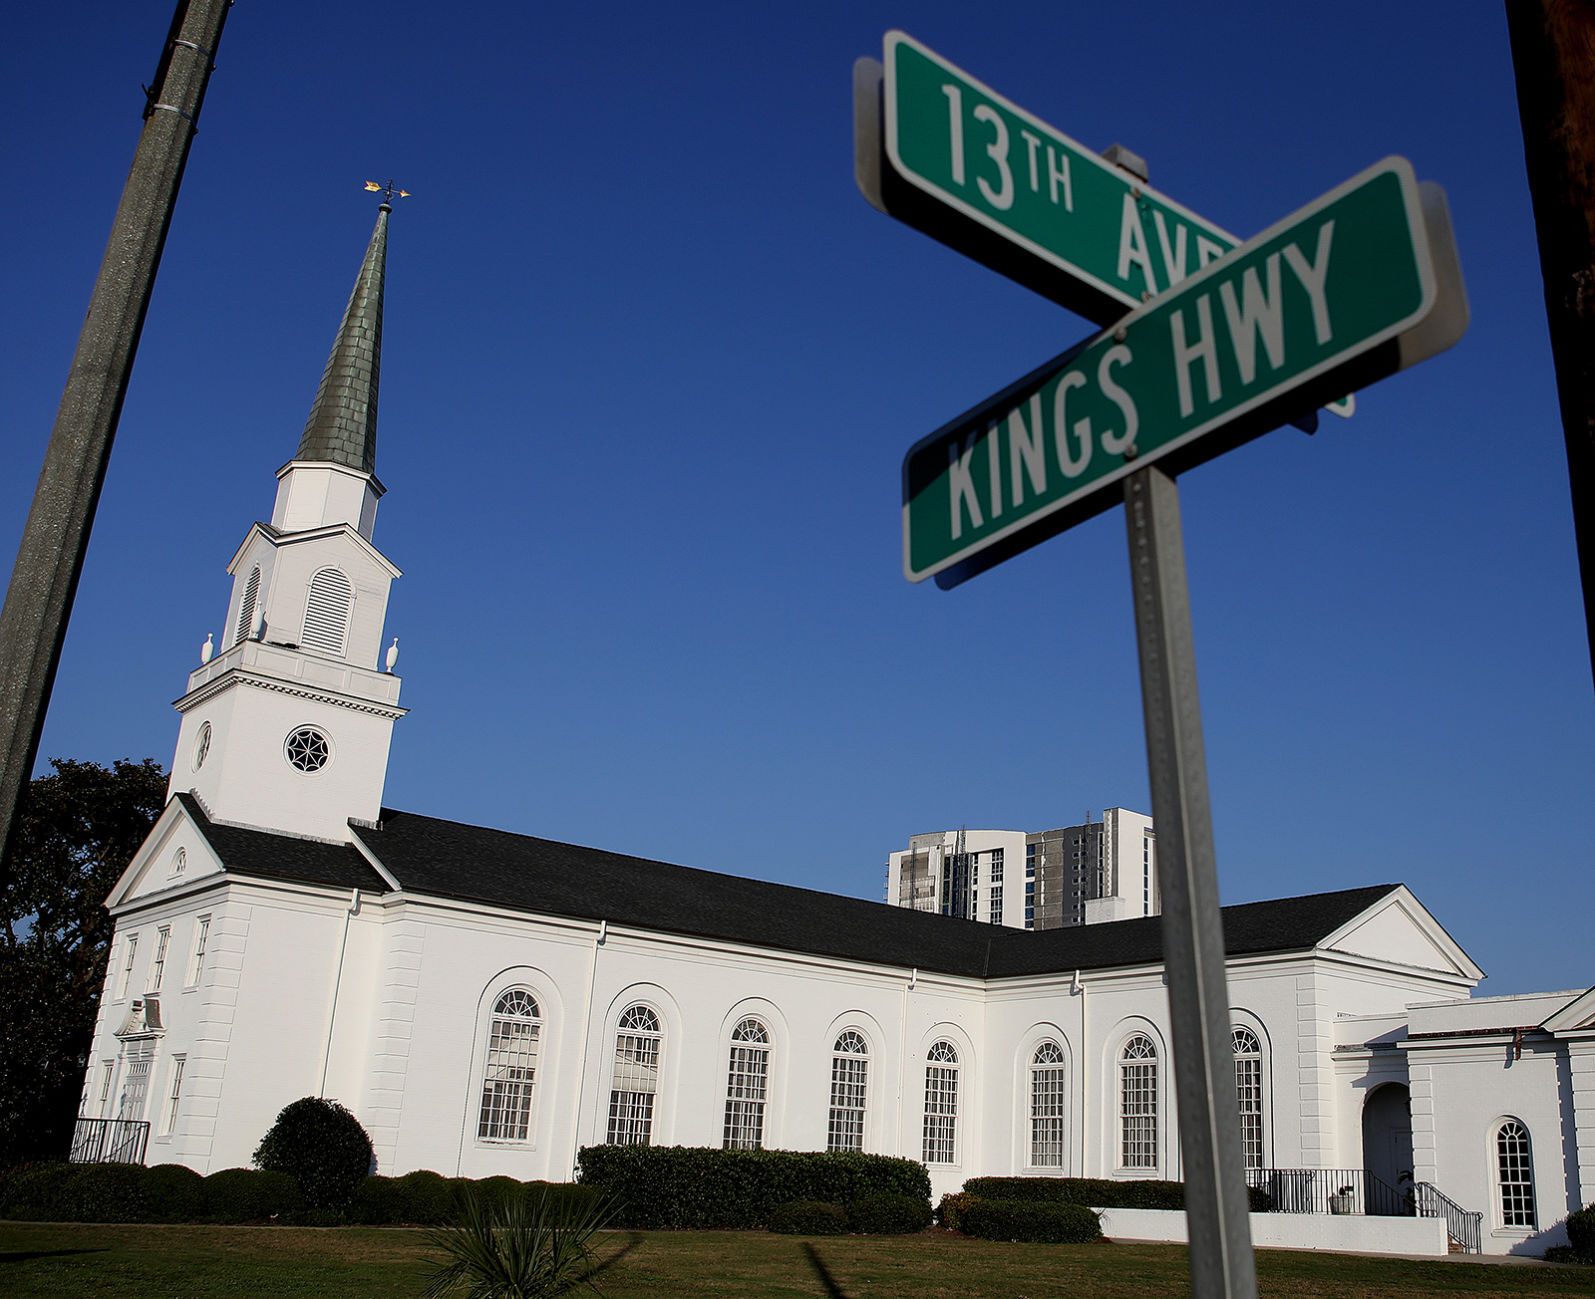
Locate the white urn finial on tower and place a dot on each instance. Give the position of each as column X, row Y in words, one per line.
column 206, row 650
column 393, row 654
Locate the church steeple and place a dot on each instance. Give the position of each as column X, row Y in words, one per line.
column 287, row 727
column 342, row 428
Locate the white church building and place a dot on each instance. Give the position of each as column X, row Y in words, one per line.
column 490, row 1003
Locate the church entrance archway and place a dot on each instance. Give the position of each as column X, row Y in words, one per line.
column 1387, row 1148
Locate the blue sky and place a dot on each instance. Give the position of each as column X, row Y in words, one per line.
column 651, row 364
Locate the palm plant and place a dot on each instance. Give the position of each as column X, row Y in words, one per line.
column 527, row 1247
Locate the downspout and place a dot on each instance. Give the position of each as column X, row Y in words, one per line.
column 353, row 909
column 902, row 1056
column 1078, row 989
column 599, row 939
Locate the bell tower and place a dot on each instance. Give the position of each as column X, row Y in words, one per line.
column 287, row 726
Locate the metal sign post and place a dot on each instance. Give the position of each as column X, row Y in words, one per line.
column 1221, row 344
column 1193, row 932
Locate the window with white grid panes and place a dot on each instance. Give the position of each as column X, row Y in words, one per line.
column 1249, row 1094
column 196, row 962
column 107, row 1071
column 1515, row 1174
column 173, row 1095
column 941, row 1104
column 163, row 940
column 995, row 913
column 510, row 1069
column 747, row 1086
column 1138, row 1103
column 636, row 1081
column 129, row 955
column 849, row 1080
column 1048, row 1087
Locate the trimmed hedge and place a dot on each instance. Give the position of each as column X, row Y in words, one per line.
column 251, row 1195
column 1033, row 1220
column 1095, row 1192
column 950, row 1212
column 888, row 1214
column 76, row 1193
column 1581, row 1233
column 692, row 1187
column 173, row 1193
column 808, row 1218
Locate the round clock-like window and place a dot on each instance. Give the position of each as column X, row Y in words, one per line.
column 202, row 746
column 307, row 749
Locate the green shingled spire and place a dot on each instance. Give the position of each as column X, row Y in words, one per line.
column 342, row 427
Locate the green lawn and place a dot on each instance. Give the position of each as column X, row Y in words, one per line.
column 230, row 1262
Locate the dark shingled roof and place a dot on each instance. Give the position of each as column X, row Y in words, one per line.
column 342, row 427
column 282, row 856
column 521, row 873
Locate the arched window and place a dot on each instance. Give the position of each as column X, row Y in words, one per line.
column 246, row 607
column 631, row 1098
column 941, row 1104
column 1515, row 1173
column 1249, row 1094
column 510, row 1069
column 849, row 1078
column 327, row 612
column 1047, row 1096
column 1138, row 1103
column 747, row 1086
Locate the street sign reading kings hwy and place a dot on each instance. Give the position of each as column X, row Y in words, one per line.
column 1356, row 285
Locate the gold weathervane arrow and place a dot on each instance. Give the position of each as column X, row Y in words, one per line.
column 387, row 191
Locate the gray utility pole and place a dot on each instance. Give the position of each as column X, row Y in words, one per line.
column 1553, row 54
column 1193, row 930
column 50, row 558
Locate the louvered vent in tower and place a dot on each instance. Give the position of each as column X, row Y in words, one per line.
column 246, row 610
column 327, row 612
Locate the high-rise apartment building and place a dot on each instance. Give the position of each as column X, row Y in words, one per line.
column 1051, row 879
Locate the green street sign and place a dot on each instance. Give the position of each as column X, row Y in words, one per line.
column 1114, row 239
column 1358, row 284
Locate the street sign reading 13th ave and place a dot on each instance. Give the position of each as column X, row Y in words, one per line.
column 1323, row 302
column 972, row 150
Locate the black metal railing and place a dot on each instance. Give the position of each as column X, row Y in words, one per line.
column 1330, row 1190
column 1357, row 1191
column 109, row 1141
column 1462, row 1226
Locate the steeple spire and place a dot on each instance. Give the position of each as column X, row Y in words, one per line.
column 342, row 428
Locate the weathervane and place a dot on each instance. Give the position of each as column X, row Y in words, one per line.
column 386, row 191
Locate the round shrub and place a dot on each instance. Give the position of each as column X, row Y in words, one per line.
column 808, row 1218
column 1046, row 1224
column 1581, row 1233
column 249, row 1195
column 322, row 1147
column 174, row 1193
column 888, row 1215
column 428, row 1198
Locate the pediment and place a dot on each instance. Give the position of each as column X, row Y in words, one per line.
column 1399, row 929
column 175, row 853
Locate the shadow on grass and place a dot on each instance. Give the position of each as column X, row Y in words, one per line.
column 833, row 1290
column 28, row 1255
column 633, row 1239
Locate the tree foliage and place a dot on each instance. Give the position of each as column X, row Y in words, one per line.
column 77, row 830
column 322, row 1147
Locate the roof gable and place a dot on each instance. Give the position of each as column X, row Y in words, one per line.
column 1397, row 928
column 175, row 852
